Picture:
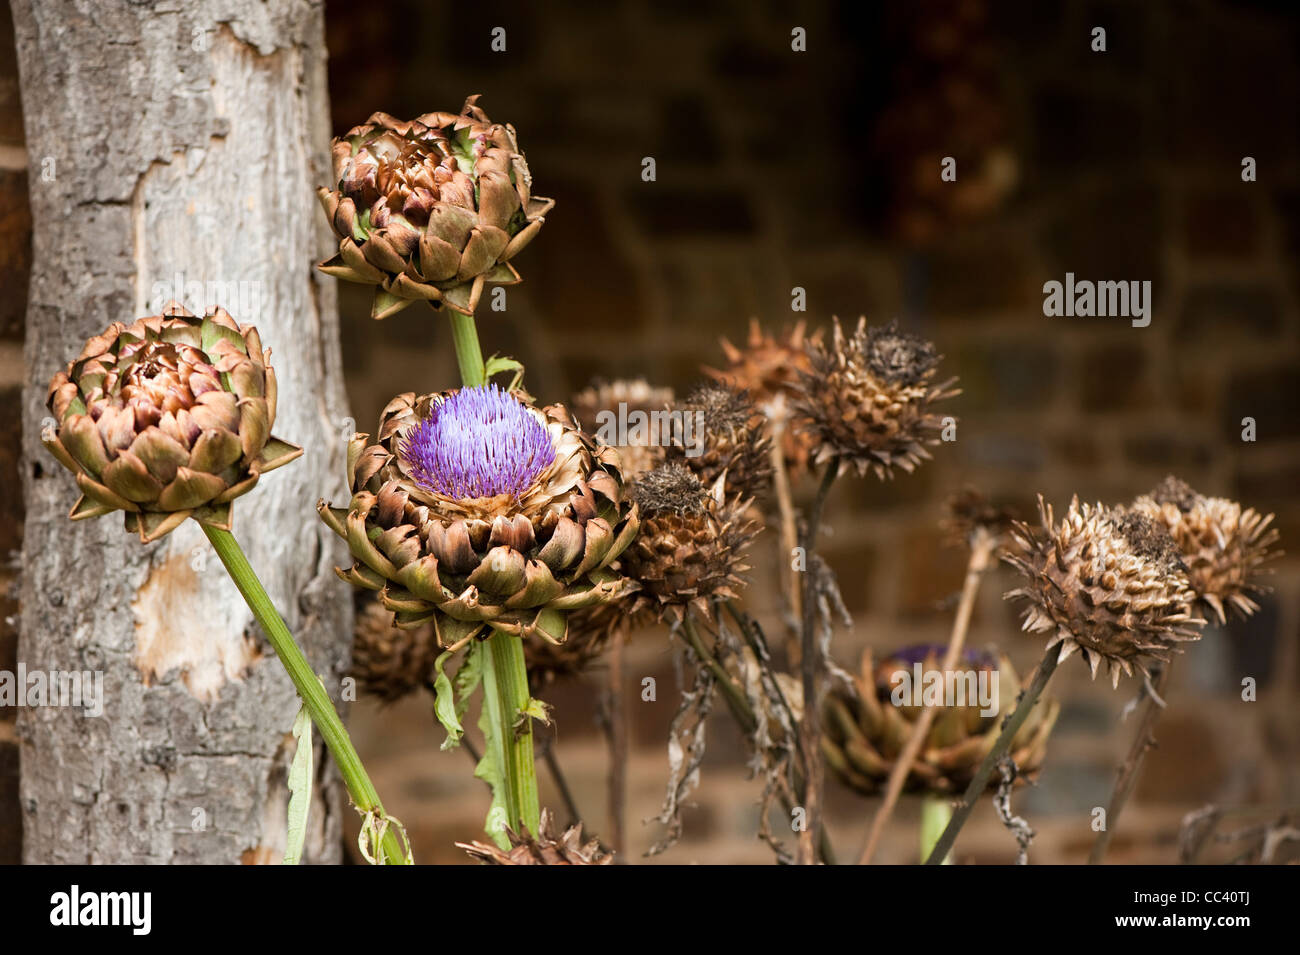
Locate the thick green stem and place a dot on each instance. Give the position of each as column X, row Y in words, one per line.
column 468, row 354
column 308, row 686
column 936, row 811
column 510, row 740
column 505, row 678
column 1010, row 726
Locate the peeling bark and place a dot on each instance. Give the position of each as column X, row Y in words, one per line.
column 165, row 138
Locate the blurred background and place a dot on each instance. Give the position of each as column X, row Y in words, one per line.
column 819, row 170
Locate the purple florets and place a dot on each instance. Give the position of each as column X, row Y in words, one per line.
column 918, row 652
column 478, row 442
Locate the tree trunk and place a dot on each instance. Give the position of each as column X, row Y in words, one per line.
column 177, row 143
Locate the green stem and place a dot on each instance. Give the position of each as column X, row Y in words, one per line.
column 1010, row 726
column 505, row 678
column 510, row 741
column 469, row 356
column 936, row 811
column 308, row 686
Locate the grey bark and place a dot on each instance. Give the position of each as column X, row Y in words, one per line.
column 164, row 138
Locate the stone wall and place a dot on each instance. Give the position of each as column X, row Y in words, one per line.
column 778, row 169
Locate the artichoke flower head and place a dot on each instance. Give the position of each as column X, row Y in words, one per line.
column 867, row 723
column 167, row 418
column 431, row 209
column 475, row 509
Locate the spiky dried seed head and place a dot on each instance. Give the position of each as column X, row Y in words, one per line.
column 970, row 510
column 620, row 400
column 1223, row 546
column 718, row 433
column 387, row 661
column 768, row 367
column 867, row 724
column 1106, row 582
column 868, row 399
column 690, row 550
column 546, row 849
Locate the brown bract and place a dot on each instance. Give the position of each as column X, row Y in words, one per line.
column 546, row 849
column 970, row 510
column 865, row 730
column 720, row 435
column 601, row 403
column 868, row 399
column 1223, row 545
column 512, row 563
column 431, row 209
column 768, row 367
column 167, row 418
column 1107, row 583
column 690, row 551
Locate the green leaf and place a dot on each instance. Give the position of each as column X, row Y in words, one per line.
column 468, row 677
column 444, row 702
column 300, row 782
column 491, row 769
column 451, row 699
column 496, row 365
column 538, row 710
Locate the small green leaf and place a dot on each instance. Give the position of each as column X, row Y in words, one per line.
column 444, row 703
column 468, row 677
column 538, row 710
column 496, row 365
column 300, row 783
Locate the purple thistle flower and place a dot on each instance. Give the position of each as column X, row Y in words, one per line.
column 478, row 442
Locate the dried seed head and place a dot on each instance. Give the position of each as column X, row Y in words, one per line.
column 868, row 398
column 389, row 662
column 1222, row 546
column 969, row 511
column 595, row 404
column 718, row 433
column 546, row 849
column 899, row 358
column 689, row 551
column 768, row 368
column 867, row 724
column 1106, row 582
column 671, row 488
